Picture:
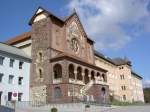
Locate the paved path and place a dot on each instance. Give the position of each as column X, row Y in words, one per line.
column 129, row 109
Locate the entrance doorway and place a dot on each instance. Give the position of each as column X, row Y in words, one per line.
column 103, row 90
column 9, row 96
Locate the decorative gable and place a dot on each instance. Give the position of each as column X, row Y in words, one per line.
column 39, row 14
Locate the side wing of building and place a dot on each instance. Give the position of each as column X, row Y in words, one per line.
column 14, row 74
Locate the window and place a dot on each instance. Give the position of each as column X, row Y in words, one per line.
column 123, row 87
column 11, row 64
column 20, row 96
column 10, row 81
column 124, row 97
column 1, row 77
column 40, row 56
column 20, row 65
column 9, row 96
column 1, row 60
column 57, row 92
column 20, row 80
column 120, row 68
column 40, row 73
column 122, row 77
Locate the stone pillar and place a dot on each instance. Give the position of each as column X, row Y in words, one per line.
column 75, row 73
column 89, row 75
column 96, row 77
column 83, row 78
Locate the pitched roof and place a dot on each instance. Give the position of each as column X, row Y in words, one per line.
column 119, row 61
column 19, row 38
column 44, row 11
column 7, row 49
column 104, row 57
column 27, row 35
column 137, row 75
column 76, row 59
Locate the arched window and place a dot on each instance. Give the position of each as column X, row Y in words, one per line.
column 92, row 75
column 86, row 77
column 40, row 73
column 57, row 92
column 57, row 69
column 71, row 71
column 40, row 56
column 79, row 73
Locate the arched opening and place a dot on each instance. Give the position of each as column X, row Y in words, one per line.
column 40, row 73
column 103, row 91
column 79, row 73
column 40, row 56
column 86, row 77
column 92, row 75
column 98, row 76
column 57, row 69
column 104, row 78
column 71, row 71
column 57, row 92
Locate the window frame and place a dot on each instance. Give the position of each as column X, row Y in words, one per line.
column 11, row 63
column 2, row 60
column 10, row 81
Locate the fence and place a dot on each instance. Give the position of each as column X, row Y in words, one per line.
column 6, row 109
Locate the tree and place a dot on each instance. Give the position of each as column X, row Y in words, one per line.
column 147, row 95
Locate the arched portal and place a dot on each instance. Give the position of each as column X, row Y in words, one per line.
column 57, row 69
column 79, row 73
column 71, row 71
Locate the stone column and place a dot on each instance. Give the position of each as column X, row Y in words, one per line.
column 83, row 78
column 89, row 75
column 96, row 77
column 75, row 73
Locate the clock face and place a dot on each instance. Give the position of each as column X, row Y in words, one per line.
column 74, row 45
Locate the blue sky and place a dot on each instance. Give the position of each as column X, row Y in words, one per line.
column 120, row 28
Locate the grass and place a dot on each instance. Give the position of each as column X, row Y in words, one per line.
column 119, row 103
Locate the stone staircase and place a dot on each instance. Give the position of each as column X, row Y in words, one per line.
column 84, row 89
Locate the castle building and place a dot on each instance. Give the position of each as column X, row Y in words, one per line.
column 65, row 66
column 14, row 74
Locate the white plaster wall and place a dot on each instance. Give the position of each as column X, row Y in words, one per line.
column 5, row 87
column 26, row 49
column 137, row 89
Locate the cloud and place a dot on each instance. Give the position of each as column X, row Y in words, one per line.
column 146, row 83
column 104, row 20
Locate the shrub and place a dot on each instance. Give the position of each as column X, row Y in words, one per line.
column 87, row 106
column 54, row 110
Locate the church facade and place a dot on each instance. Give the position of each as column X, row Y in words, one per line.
column 65, row 66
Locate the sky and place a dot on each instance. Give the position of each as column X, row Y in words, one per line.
column 120, row 28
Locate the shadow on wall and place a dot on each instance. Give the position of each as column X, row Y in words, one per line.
column 6, row 109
